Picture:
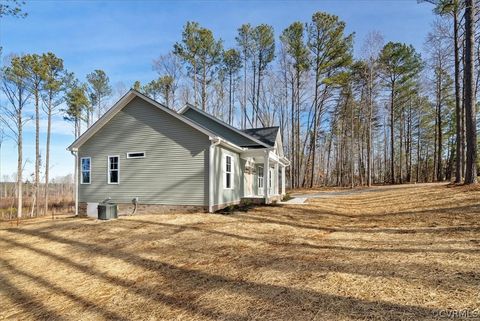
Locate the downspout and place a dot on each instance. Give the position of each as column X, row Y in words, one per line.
column 211, row 174
column 75, row 153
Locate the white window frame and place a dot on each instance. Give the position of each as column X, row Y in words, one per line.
column 89, row 171
column 230, row 172
column 261, row 178
column 135, row 157
column 108, row 170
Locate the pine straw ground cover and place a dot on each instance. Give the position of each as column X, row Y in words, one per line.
column 402, row 253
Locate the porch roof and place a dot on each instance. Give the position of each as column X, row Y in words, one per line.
column 259, row 155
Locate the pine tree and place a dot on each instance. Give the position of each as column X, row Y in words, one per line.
column 294, row 41
column 36, row 73
column 331, row 52
column 264, row 51
column 99, row 89
column 399, row 64
column 54, row 86
column 15, row 87
column 232, row 63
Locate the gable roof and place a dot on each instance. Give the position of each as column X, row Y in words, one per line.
column 128, row 97
column 255, row 142
column 268, row 135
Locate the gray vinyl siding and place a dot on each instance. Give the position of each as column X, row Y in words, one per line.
column 221, row 194
column 174, row 171
column 218, row 128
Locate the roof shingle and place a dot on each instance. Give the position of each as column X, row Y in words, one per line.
column 267, row 135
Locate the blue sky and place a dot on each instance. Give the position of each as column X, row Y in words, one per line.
column 124, row 37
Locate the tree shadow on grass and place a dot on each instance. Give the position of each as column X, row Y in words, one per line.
column 393, row 230
column 422, row 272
column 427, row 248
column 305, row 301
column 27, row 302
column 369, row 198
column 147, row 292
column 323, row 246
column 319, row 212
column 87, row 304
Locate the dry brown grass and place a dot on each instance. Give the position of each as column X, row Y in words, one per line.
column 400, row 253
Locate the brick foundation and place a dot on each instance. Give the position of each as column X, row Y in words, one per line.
column 127, row 209
column 261, row 200
column 222, row 206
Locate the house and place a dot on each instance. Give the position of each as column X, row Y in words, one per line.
column 142, row 152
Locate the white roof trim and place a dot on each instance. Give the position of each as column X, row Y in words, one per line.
column 186, row 107
column 128, row 97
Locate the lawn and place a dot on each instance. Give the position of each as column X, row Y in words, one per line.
column 401, row 253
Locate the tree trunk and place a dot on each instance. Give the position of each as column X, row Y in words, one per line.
column 470, row 110
column 298, row 126
column 195, row 84
column 292, row 143
column 230, row 99
column 37, row 150
column 326, row 179
column 254, row 67
column 369, row 128
column 402, row 128
column 418, row 153
column 458, row 113
column 385, row 151
column 410, row 144
column 314, row 129
column 47, row 155
column 435, row 146
column 245, row 90
column 439, row 122
column 19, row 166
column 258, row 92
column 204, row 87
column 392, row 138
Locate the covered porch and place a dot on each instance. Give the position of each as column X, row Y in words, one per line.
column 264, row 176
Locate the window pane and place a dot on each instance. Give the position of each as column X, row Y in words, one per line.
column 86, row 177
column 136, row 155
column 228, row 163
column 85, row 164
column 228, row 180
column 260, row 177
column 113, row 162
column 113, row 176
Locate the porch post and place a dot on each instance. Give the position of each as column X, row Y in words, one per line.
column 283, row 180
column 275, row 180
column 266, row 174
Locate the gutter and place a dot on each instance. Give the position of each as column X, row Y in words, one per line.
column 74, row 152
column 231, row 145
column 211, row 174
column 285, row 161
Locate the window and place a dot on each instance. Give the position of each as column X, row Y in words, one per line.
column 260, row 177
column 86, row 167
column 136, row 155
column 228, row 171
column 113, row 169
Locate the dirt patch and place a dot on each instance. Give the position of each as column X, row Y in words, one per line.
column 400, row 254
